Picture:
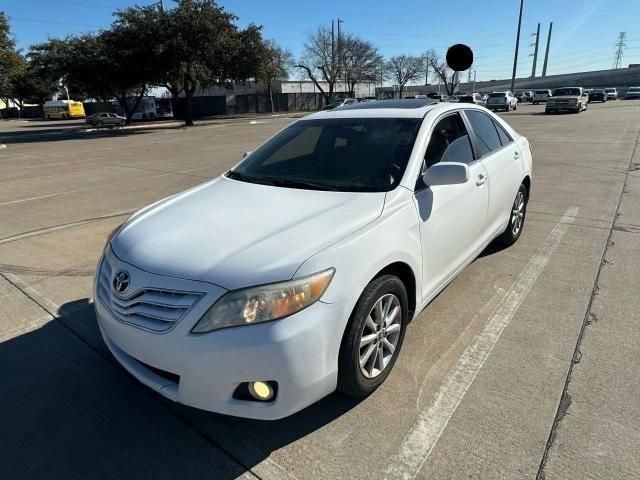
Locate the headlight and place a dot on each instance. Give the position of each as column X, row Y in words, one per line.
column 264, row 303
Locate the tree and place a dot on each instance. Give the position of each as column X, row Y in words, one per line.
column 404, row 68
column 275, row 63
column 11, row 62
column 322, row 59
column 33, row 85
column 120, row 62
column 362, row 61
column 206, row 48
column 442, row 72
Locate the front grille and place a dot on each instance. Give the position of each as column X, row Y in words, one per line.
column 153, row 309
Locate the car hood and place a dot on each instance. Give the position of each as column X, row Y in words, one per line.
column 236, row 234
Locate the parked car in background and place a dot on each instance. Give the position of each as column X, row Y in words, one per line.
column 340, row 103
column 106, row 119
column 632, row 92
column 612, row 93
column 435, row 96
column 502, row 101
column 475, row 98
column 597, row 95
column 264, row 309
column 571, row 99
column 541, row 96
column 527, row 96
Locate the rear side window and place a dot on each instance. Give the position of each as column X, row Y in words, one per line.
column 486, row 135
column 504, row 136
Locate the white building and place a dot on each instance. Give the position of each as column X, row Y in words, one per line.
column 363, row 89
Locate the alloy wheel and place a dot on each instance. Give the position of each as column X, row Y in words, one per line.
column 380, row 335
column 517, row 214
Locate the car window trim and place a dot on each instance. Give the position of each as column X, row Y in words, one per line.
column 473, row 137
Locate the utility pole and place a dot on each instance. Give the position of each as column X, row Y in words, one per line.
column 426, row 75
column 515, row 55
column 535, row 52
column 333, row 42
column 474, row 81
column 620, row 44
column 546, row 53
column 344, row 81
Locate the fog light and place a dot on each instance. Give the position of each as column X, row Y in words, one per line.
column 261, row 391
column 258, row 391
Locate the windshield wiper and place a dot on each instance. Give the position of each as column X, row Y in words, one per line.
column 239, row 176
column 294, row 183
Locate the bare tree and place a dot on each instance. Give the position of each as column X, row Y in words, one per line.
column 322, row 61
column 274, row 64
column 442, row 72
column 404, row 68
column 361, row 61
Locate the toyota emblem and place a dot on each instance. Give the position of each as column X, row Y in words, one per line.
column 121, row 282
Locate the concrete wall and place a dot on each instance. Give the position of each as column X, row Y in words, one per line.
column 621, row 78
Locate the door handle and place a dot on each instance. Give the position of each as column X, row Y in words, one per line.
column 481, row 179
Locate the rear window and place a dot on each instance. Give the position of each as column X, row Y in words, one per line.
column 609, row 89
column 563, row 92
column 497, row 95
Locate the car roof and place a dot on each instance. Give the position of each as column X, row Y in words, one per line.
column 405, row 108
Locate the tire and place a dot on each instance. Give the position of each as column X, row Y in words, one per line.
column 360, row 381
column 515, row 107
column 512, row 232
column 535, row 103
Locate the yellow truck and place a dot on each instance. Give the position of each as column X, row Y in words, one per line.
column 63, row 109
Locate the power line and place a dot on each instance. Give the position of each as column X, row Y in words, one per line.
column 620, row 44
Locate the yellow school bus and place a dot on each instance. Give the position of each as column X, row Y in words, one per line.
column 63, row 109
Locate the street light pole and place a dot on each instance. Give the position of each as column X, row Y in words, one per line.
column 515, row 55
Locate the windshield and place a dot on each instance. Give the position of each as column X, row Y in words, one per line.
column 609, row 89
column 564, row 92
column 350, row 154
column 596, row 90
column 634, row 89
column 542, row 92
column 497, row 95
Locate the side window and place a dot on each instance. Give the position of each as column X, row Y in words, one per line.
column 486, row 135
column 504, row 136
column 449, row 142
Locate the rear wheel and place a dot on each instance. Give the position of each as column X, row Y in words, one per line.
column 516, row 218
column 374, row 336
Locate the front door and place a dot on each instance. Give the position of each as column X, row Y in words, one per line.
column 452, row 217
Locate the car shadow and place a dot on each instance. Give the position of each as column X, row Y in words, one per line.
column 70, row 411
column 56, row 134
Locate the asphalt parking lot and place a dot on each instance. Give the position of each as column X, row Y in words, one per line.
column 525, row 366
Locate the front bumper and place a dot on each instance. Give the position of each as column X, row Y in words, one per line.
column 299, row 352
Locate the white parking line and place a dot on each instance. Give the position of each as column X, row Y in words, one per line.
column 425, row 433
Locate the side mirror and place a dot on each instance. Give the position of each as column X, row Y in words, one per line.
column 246, row 154
column 446, row 173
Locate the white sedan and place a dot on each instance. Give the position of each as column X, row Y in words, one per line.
column 297, row 271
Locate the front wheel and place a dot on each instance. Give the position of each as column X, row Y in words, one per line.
column 373, row 337
column 516, row 218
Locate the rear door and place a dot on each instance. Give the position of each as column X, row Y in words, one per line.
column 501, row 157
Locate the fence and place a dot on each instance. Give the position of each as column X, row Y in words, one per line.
column 208, row 105
column 249, row 103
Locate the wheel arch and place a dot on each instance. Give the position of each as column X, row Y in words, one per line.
column 527, row 184
column 407, row 276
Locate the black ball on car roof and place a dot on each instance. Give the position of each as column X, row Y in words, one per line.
column 459, row 57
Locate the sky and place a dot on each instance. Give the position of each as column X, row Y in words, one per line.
column 584, row 31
